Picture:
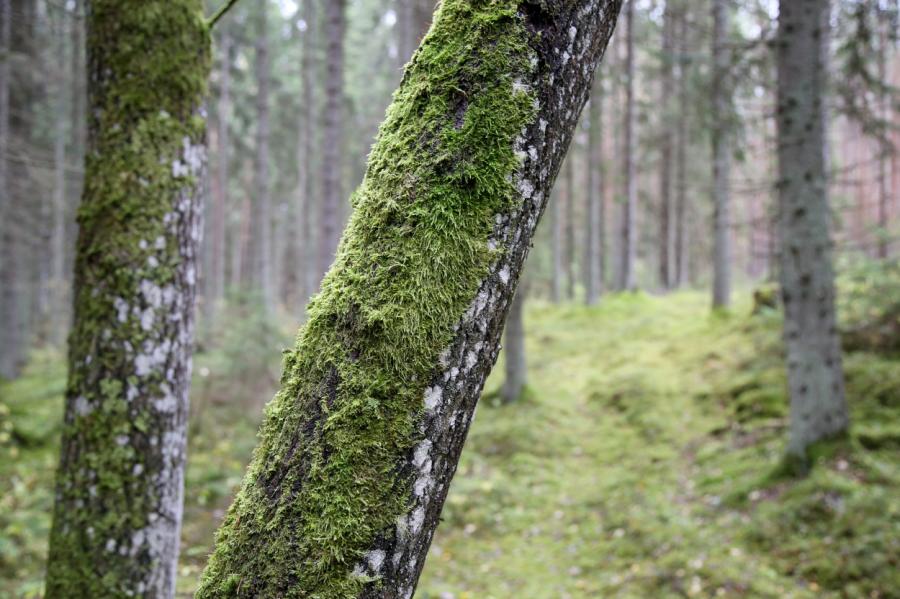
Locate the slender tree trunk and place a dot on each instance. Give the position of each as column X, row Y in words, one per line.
column 721, row 157
column 358, row 448
column 119, row 487
column 306, row 238
column 815, row 373
column 569, row 195
column 217, row 229
column 262, row 216
column 8, row 359
column 666, row 198
column 556, row 241
column 516, row 367
column 629, row 221
column 332, row 155
column 595, row 259
column 58, row 283
column 884, row 148
column 681, row 196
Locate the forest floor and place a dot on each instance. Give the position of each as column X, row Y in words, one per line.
column 644, row 461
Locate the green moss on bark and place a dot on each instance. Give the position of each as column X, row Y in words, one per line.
column 325, row 480
column 129, row 354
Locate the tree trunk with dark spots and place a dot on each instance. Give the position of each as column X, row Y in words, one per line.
column 119, row 487
column 358, row 448
column 814, row 365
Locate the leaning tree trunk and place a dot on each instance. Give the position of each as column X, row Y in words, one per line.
column 815, row 373
column 721, row 158
column 119, row 486
column 629, row 220
column 358, row 447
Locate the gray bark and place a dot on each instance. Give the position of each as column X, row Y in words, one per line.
column 595, row 259
column 629, row 220
column 307, row 269
column 515, row 365
column 814, row 365
column 58, row 279
column 363, row 440
column 721, row 157
column 569, row 195
column 556, row 242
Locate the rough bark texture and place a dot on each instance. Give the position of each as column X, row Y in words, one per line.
column 515, row 366
column 332, row 194
column 721, row 158
column 119, row 486
column 358, row 448
column 595, row 259
column 815, row 373
column 629, row 217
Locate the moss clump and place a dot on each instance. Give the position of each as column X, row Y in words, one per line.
column 324, row 480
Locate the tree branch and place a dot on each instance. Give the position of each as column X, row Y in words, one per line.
column 220, row 13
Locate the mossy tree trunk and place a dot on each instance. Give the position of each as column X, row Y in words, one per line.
column 815, row 373
column 119, row 486
column 358, row 447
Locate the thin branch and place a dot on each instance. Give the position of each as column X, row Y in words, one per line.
column 220, row 13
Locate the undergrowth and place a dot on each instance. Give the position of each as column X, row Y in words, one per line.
column 645, row 461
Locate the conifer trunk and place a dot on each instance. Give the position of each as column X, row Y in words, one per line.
column 595, row 259
column 358, row 447
column 516, row 367
column 666, row 198
column 629, row 220
column 814, row 365
column 263, row 275
column 119, row 486
column 721, row 158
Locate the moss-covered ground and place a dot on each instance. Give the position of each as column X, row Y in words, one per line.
column 644, row 461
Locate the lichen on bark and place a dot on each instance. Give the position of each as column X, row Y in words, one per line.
column 119, row 487
column 358, row 447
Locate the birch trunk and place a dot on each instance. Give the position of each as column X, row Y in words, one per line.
column 119, row 486
column 815, row 373
column 358, row 448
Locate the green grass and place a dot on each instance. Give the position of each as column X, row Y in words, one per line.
column 645, row 461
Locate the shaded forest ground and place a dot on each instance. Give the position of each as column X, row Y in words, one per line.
column 644, row 460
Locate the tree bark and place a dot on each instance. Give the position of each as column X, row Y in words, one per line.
column 332, row 155
column 515, row 365
column 58, row 282
column 884, row 147
column 666, row 198
column 629, row 220
column 815, row 373
column 721, row 157
column 262, row 216
column 556, row 242
column 359, row 446
column 595, row 258
column 119, row 486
